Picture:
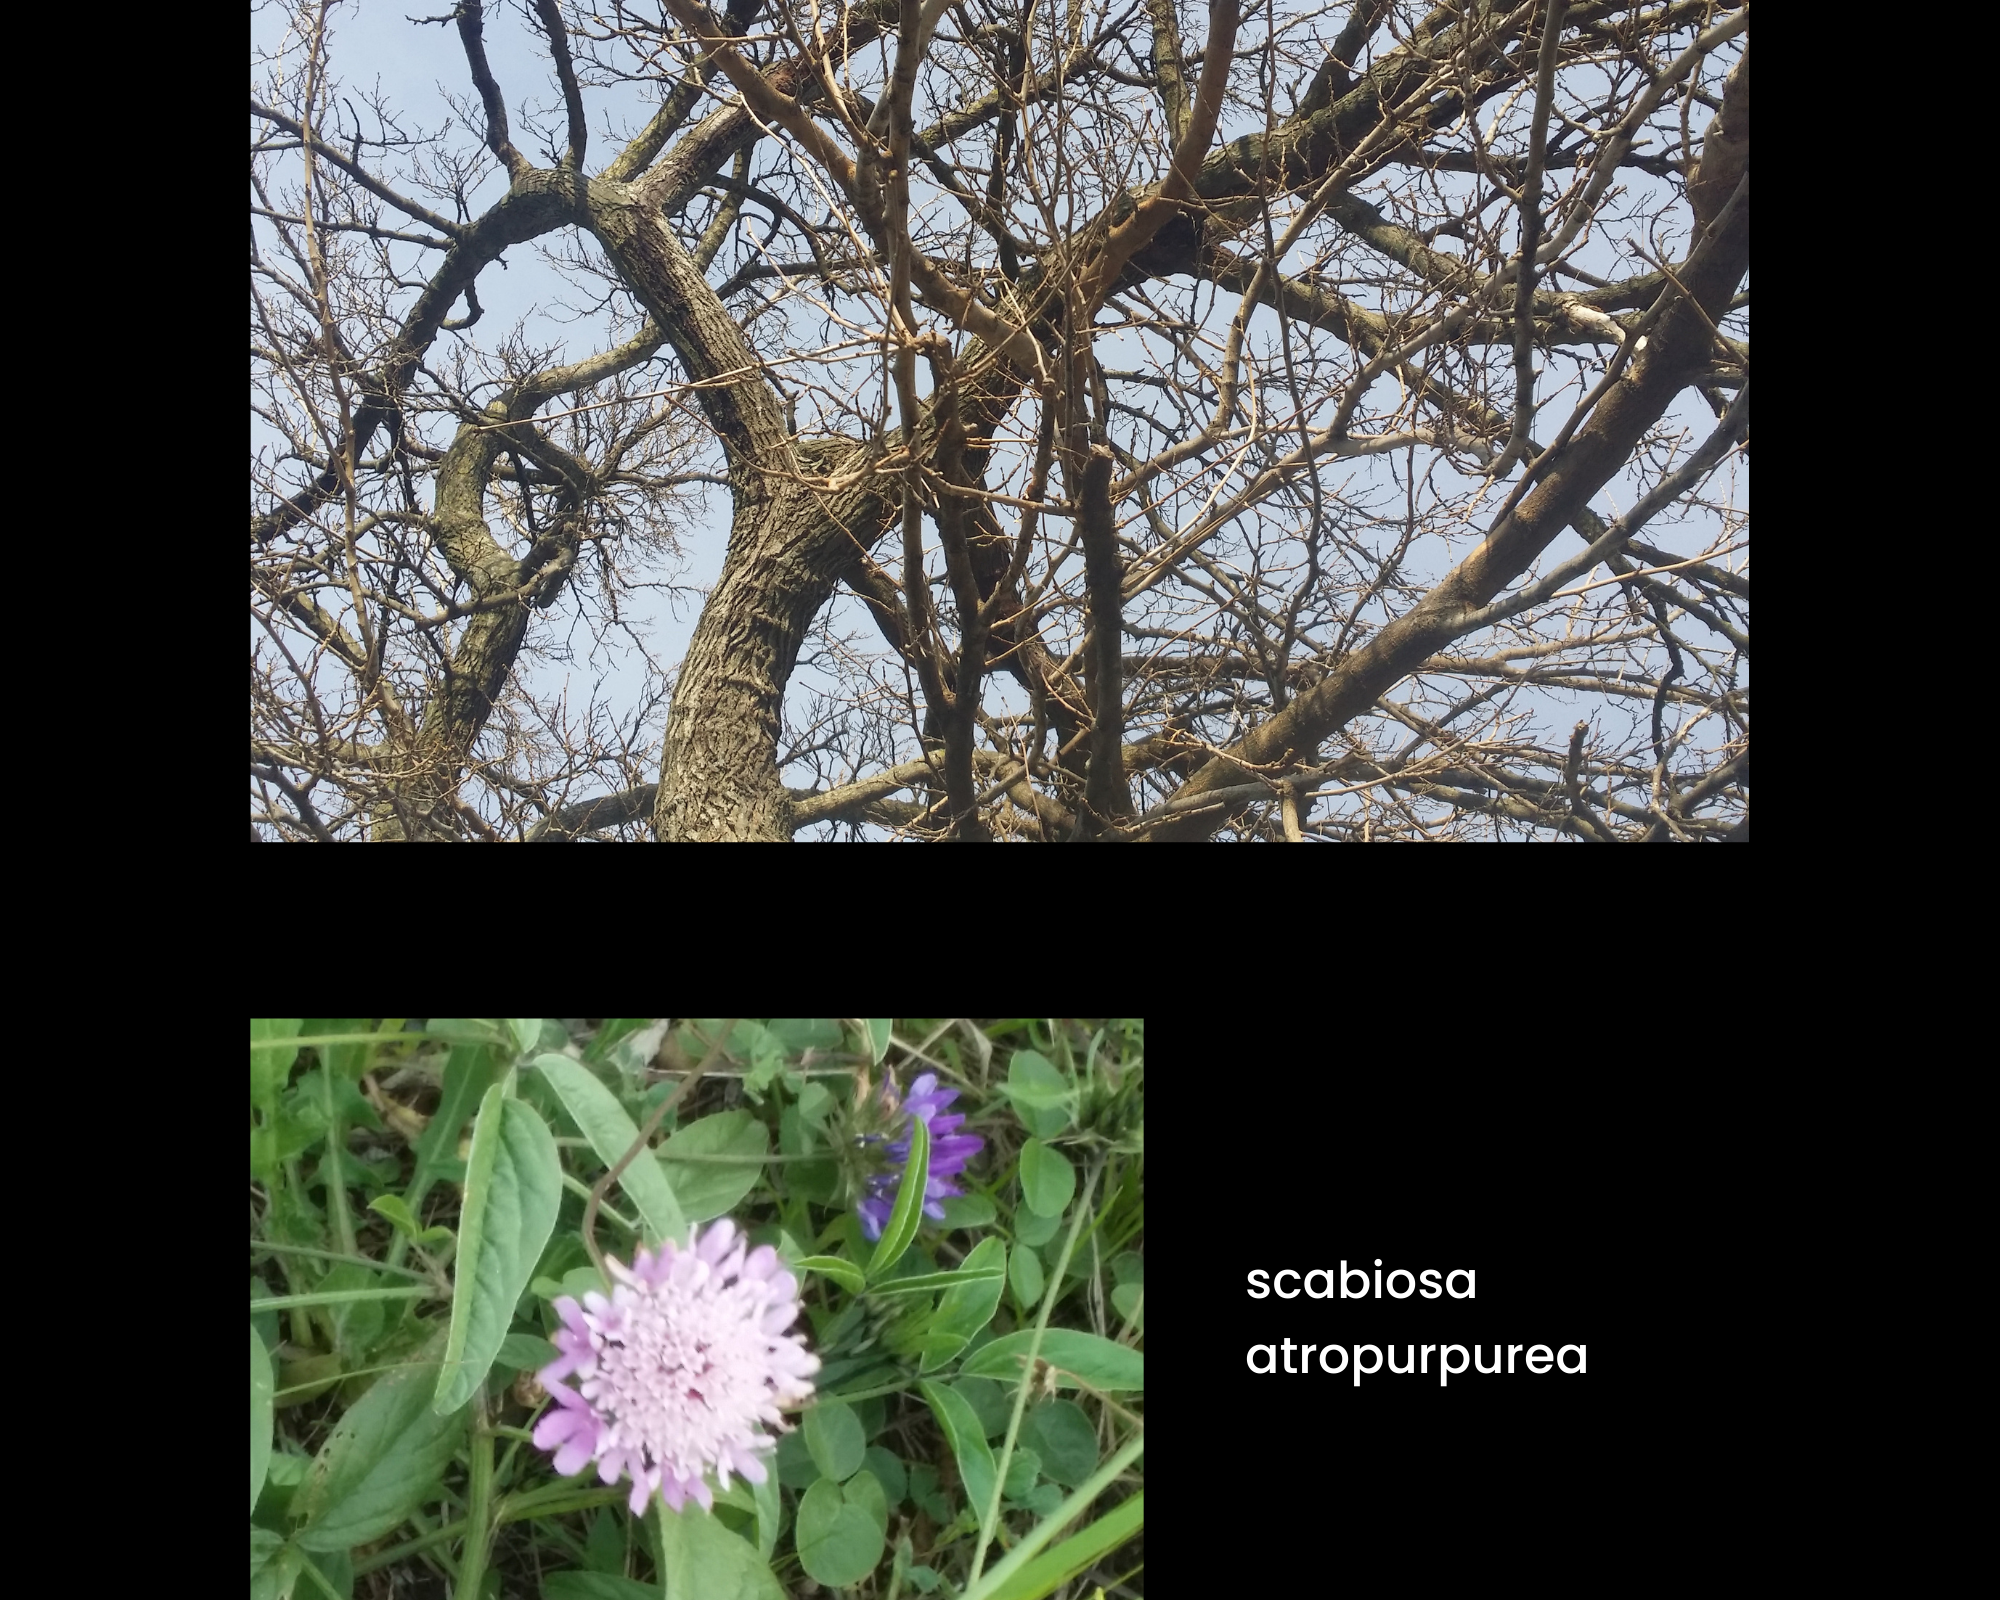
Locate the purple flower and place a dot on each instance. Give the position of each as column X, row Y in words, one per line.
column 677, row 1368
column 949, row 1151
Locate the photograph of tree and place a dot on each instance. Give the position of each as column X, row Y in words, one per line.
column 1038, row 420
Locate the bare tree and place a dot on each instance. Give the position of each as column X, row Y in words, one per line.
column 1135, row 424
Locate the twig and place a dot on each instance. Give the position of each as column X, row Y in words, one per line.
column 603, row 1184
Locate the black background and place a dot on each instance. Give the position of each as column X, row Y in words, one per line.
column 1297, row 1482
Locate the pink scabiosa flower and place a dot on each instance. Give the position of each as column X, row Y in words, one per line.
column 949, row 1150
column 677, row 1368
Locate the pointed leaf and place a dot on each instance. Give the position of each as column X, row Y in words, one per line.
column 967, row 1438
column 839, row 1268
column 597, row 1585
column 879, row 1029
column 383, row 1461
column 1052, row 1568
column 901, row 1231
column 469, row 1071
column 1098, row 1362
column 513, row 1186
column 602, row 1120
column 932, row 1282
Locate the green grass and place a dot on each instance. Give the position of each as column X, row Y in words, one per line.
column 421, row 1192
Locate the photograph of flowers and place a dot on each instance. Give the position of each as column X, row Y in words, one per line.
column 708, row 1309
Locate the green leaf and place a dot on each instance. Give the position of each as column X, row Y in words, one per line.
column 391, row 1209
column 1024, row 1466
column 925, row 1494
column 596, row 1585
column 523, row 1352
column 795, row 1466
column 271, row 1056
column 627, row 1044
column 1047, row 1178
column 992, row 1403
column 839, row 1268
column 839, row 1531
column 1098, row 1362
column 384, row 1460
column 770, row 1513
column 272, row 1052
column 602, row 1120
column 262, row 1387
column 816, row 1107
column 902, row 1228
column 469, row 1071
column 1052, row 1568
column 766, row 1058
column 834, row 1439
column 734, row 1146
column 1127, row 1300
column 887, row 1468
column 513, row 1186
column 865, row 1490
column 347, row 1060
column 703, row 1558
column 968, row 1307
column 1043, row 1499
column 932, row 1282
column 1040, row 1093
column 1025, row 1273
column 275, row 1565
column 1059, row 1432
column 967, row 1213
column 797, row 1035
column 967, row 1438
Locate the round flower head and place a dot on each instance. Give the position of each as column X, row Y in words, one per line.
column 949, row 1151
column 676, row 1369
